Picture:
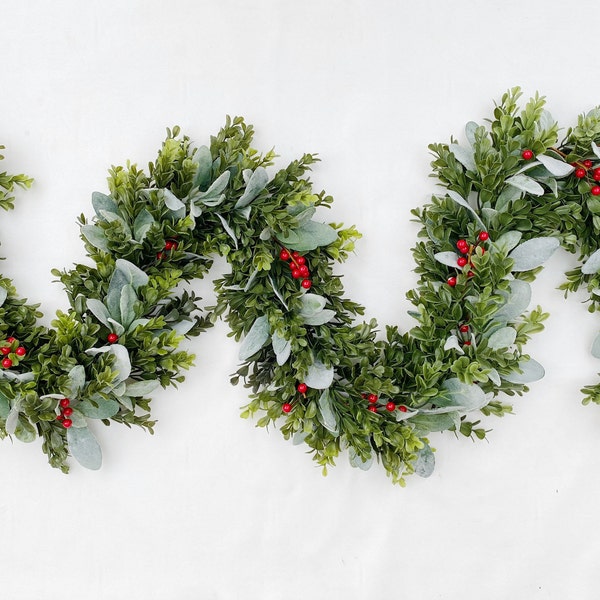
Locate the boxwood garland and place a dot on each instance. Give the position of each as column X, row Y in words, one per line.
column 509, row 197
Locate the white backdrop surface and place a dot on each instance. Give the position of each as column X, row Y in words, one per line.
column 211, row 507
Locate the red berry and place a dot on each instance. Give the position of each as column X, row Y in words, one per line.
column 67, row 423
column 301, row 260
column 169, row 245
column 20, row 351
column 59, row 417
column 467, row 343
column 372, row 408
column 7, row 363
column 464, row 328
column 295, row 255
column 5, row 350
column 483, row 236
column 160, row 255
column 296, row 273
column 390, row 406
column 587, row 163
column 112, row 338
column 462, row 261
column 10, row 340
column 580, row 173
column 64, row 403
column 462, row 245
column 304, row 271
column 527, row 154
column 596, row 174
column 451, row 281
column 302, row 387
column 287, row 407
column 470, row 274
column 373, row 398
column 284, row 255
column 402, row 408
column 306, row 284
column 67, row 411
column 595, row 190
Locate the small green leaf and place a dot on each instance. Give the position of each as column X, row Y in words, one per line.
column 84, row 447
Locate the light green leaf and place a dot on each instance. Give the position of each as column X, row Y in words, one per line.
column 25, row 431
column 278, row 293
column 4, row 406
column 101, row 202
column 138, row 389
column 533, row 253
column 112, row 218
column 84, row 447
column 203, row 158
column 95, row 236
column 516, row 303
column 596, row 149
column 172, row 202
column 215, row 190
column 142, row 224
column 328, row 418
column 531, row 370
column 309, row 236
column 135, row 276
column 526, row 184
column 425, row 462
column 3, row 295
column 424, row 423
column 126, row 303
column 255, row 339
column 447, row 258
column 558, row 168
column 592, row 264
column 357, row 462
column 99, row 310
column 104, row 409
column 312, row 304
column 318, row 376
column 462, row 202
column 122, row 363
column 470, row 129
column 452, row 343
column 494, row 377
column 507, row 241
column 302, row 213
column 320, row 318
column 76, row 380
column 256, row 184
column 463, row 396
column 281, row 347
column 507, row 195
column 228, row 229
column 465, row 156
column 596, row 347
column 502, row 338
column 13, row 418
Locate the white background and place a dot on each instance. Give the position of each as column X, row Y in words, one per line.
column 211, row 507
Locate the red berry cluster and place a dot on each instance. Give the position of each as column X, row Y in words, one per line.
column 465, row 248
column 373, row 399
column 298, row 267
column 582, row 172
column 11, row 346
column 302, row 389
column 65, row 412
column 170, row 245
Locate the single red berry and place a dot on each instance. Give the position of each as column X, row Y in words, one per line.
column 483, row 236
column 304, row 271
column 169, row 245
column 301, row 260
column 464, row 328
column 470, row 273
column 296, row 273
column 59, row 417
column 373, row 398
column 7, row 363
column 20, row 351
column 284, row 254
column 587, row 163
column 402, row 408
column 287, row 407
column 11, row 339
column 111, row 338
column 5, row 350
column 595, row 190
column 364, row 396
column 306, row 284
column 67, row 411
column 302, row 387
column 451, row 281
column 67, row 423
column 466, row 343
column 372, row 408
column 580, row 173
column 295, row 255
column 64, row 403
column 596, row 174
column 390, row 406
column 160, row 255
column 527, row 154
column 462, row 261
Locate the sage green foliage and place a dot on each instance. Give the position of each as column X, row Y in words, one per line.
column 223, row 199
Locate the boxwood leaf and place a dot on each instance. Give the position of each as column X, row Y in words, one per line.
column 533, row 253
column 84, row 447
column 255, row 338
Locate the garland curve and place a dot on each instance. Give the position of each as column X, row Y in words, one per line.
column 511, row 195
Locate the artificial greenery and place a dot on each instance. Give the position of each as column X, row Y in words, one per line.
column 509, row 197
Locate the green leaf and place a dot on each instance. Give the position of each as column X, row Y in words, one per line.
column 213, row 195
column 142, row 224
column 104, row 409
column 357, row 462
column 281, row 347
column 531, row 370
column 424, row 424
column 122, row 363
column 84, row 447
column 312, row 304
column 328, row 418
column 526, row 184
column 470, row 129
column 533, row 253
column 12, row 420
column 228, row 229
column 255, row 339
column 126, row 302
column 302, row 213
column 502, row 338
column 4, row 406
column 318, row 376
column 256, row 184
column 320, row 318
column 103, row 203
column 95, row 236
column 3, row 295
column 462, row 202
column 203, row 158
column 507, row 195
column 309, row 236
column 425, row 462
column 25, row 431
column 507, row 241
column 592, row 264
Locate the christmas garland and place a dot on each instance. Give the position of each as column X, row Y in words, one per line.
column 510, row 196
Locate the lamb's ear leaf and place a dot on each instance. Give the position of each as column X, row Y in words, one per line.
column 255, row 339
column 84, row 447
